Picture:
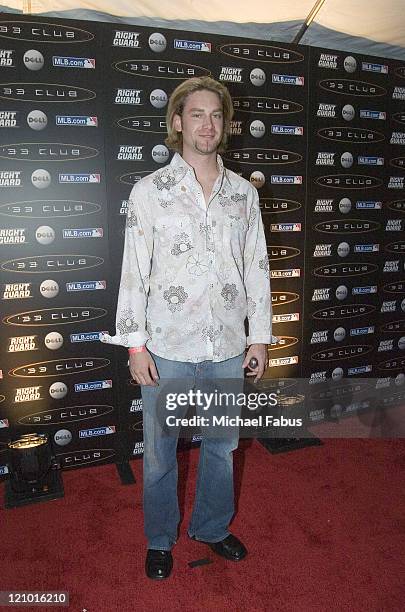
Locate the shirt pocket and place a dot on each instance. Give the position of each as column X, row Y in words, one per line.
column 175, row 234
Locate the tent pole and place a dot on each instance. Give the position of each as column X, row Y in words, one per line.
column 311, row 16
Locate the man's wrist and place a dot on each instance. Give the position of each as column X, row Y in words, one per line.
column 137, row 349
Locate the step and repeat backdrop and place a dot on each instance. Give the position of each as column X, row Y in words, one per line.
column 354, row 301
column 82, row 119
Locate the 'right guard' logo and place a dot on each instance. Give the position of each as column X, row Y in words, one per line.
column 16, row 291
column 9, row 119
column 7, row 59
column 128, row 96
column 10, row 178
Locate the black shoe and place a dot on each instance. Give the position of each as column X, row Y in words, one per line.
column 230, row 547
column 158, row 564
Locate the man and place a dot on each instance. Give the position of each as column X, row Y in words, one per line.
column 194, row 266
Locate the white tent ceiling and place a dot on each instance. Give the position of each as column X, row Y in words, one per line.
column 367, row 26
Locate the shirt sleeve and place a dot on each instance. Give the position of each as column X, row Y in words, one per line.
column 135, row 272
column 257, row 277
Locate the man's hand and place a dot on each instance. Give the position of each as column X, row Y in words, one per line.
column 259, row 351
column 143, row 369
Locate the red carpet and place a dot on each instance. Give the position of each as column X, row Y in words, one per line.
column 325, row 528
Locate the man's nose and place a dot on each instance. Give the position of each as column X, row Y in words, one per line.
column 208, row 121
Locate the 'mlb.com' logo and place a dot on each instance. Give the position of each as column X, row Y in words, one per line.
column 79, row 178
column 287, row 79
column 73, row 62
column 368, row 66
column 97, row 431
column 291, row 130
column 94, row 385
column 278, row 179
column 86, row 285
column 86, row 336
column 76, row 120
column 192, row 45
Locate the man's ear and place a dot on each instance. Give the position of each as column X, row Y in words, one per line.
column 177, row 123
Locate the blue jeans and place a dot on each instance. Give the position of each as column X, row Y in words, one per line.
column 214, row 500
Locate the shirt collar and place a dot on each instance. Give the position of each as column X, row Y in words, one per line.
column 178, row 162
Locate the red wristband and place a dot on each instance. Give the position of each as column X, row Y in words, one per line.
column 137, row 349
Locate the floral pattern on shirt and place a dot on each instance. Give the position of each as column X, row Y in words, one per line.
column 176, row 297
column 182, row 244
column 193, row 271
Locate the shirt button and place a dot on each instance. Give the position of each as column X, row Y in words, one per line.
column 183, row 188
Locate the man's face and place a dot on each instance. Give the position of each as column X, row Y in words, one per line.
column 201, row 123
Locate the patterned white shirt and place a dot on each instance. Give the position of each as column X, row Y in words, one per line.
column 192, row 272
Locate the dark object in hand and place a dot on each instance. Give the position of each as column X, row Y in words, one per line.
column 253, row 363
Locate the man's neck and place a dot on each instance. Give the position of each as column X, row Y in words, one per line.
column 204, row 165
